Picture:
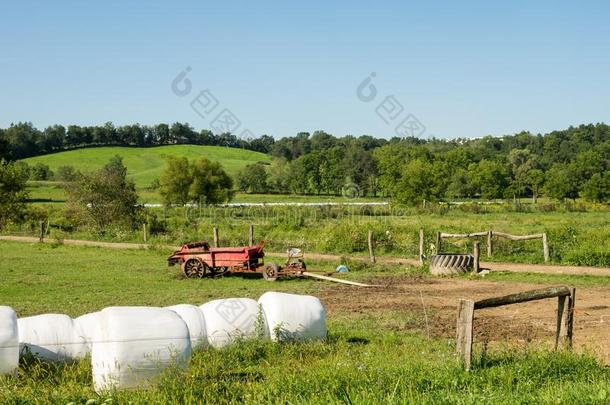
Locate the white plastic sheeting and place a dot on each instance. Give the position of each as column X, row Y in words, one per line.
column 9, row 341
column 51, row 337
column 232, row 319
column 88, row 328
column 193, row 316
column 136, row 345
column 293, row 317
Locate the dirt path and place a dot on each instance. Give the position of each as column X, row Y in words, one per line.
column 434, row 301
column 494, row 266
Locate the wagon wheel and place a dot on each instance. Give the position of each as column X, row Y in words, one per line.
column 271, row 272
column 195, row 268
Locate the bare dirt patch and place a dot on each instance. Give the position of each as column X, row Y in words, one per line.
column 531, row 323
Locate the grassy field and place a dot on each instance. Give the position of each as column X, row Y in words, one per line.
column 52, row 192
column 369, row 357
column 146, row 164
column 579, row 238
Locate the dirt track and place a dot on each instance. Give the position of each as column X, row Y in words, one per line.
column 494, row 266
column 528, row 323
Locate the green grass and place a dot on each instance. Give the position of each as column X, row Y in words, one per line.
column 578, row 238
column 52, row 192
column 47, row 278
column 293, row 198
column 368, row 357
column 146, row 164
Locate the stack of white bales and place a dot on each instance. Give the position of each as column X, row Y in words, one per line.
column 51, row 337
column 131, row 346
column 9, row 341
column 136, row 344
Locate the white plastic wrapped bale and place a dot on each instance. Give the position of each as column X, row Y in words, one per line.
column 293, row 317
column 136, row 344
column 88, row 327
column 9, row 341
column 193, row 316
column 232, row 319
column 51, row 337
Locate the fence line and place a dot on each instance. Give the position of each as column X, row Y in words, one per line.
column 490, row 234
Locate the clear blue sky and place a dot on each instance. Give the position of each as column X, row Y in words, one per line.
column 462, row 68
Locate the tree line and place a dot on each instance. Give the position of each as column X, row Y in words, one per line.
column 562, row 164
column 23, row 140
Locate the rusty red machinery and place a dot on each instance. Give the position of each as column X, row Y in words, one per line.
column 199, row 260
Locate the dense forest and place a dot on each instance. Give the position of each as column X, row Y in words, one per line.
column 562, row 164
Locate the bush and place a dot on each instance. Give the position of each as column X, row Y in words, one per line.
column 13, row 196
column 103, row 198
column 202, row 182
column 66, row 173
column 40, row 171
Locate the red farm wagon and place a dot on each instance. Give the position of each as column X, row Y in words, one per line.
column 200, row 260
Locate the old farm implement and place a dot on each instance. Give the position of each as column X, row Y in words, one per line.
column 200, row 260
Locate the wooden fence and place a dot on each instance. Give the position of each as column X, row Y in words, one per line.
column 466, row 308
column 490, row 234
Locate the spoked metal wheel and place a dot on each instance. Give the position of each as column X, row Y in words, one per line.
column 271, row 271
column 194, row 268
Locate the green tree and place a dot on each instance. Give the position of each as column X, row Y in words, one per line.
column 417, row 183
column 460, row 185
column 201, row 181
column 561, row 182
column 535, row 180
column 253, row 179
column 175, row 181
column 13, row 195
column 597, row 188
column 489, row 178
column 279, row 175
column 105, row 197
column 521, row 162
column 40, row 171
column 210, row 183
column 66, row 173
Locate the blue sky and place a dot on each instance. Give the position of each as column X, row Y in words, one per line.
column 462, row 68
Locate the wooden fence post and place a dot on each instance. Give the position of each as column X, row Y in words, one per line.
column 570, row 317
column 41, row 236
column 489, row 243
column 371, row 247
column 144, row 232
column 438, row 242
column 251, row 235
column 215, row 237
column 464, row 331
column 545, row 247
column 560, row 305
column 421, row 246
column 476, row 254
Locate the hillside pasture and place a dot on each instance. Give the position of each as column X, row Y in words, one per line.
column 146, row 164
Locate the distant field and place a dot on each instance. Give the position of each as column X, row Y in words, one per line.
column 51, row 192
column 146, row 164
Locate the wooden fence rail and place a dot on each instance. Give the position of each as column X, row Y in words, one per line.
column 490, row 234
column 466, row 308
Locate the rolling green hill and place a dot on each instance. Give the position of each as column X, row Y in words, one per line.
column 146, row 164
